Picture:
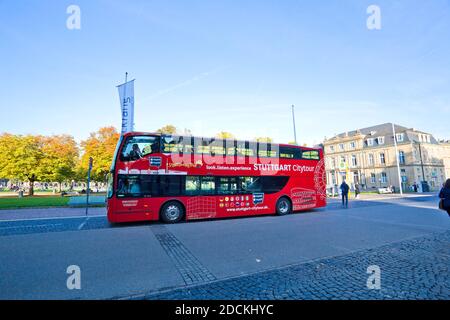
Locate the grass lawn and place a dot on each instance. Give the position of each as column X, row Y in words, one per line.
column 30, row 202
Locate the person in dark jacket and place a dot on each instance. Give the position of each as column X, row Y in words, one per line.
column 445, row 195
column 357, row 190
column 344, row 190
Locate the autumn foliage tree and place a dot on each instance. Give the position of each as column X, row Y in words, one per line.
column 21, row 158
column 224, row 135
column 100, row 146
column 167, row 129
column 264, row 139
column 60, row 160
column 37, row 158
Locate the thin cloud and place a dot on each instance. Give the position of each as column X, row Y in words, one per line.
column 184, row 83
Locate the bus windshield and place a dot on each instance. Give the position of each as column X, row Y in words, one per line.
column 139, row 146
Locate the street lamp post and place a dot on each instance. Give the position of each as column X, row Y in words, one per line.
column 423, row 182
column 293, row 120
column 88, row 183
column 398, row 162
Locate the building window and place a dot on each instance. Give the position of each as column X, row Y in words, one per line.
column 399, row 137
column 371, row 162
column 383, row 177
column 352, row 145
column 341, row 146
column 382, row 158
column 373, row 178
column 401, row 157
column 354, row 162
column 370, row 142
column 380, row 140
column 332, row 163
column 331, row 148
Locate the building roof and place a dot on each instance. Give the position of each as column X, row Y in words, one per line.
column 384, row 130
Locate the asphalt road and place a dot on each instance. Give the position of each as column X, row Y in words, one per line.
column 152, row 259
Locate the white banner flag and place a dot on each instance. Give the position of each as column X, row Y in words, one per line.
column 126, row 93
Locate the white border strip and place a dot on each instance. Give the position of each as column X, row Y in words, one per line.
column 55, row 218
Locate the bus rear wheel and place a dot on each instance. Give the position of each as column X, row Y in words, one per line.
column 172, row 212
column 284, row 206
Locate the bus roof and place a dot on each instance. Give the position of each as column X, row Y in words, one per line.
column 140, row 133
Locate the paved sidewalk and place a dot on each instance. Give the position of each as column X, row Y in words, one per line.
column 48, row 213
column 413, row 269
column 324, row 253
column 387, row 196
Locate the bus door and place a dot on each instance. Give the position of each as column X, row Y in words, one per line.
column 132, row 195
column 201, row 199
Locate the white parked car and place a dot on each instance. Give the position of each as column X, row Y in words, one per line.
column 385, row 190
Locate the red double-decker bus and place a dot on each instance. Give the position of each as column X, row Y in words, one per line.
column 171, row 178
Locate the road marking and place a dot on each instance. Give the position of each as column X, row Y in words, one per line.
column 82, row 225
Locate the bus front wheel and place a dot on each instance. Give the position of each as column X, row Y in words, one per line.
column 172, row 212
column 284, row 206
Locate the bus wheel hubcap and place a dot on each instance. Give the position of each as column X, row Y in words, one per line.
column 284, row 207
column 173, row 212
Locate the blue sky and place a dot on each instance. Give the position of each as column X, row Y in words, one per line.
column 226, row 65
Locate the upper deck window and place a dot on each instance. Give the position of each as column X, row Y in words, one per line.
column 177, row 144
column 138, row 147
column 311, row 155
column 290, row 152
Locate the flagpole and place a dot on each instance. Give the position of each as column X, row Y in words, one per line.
column 124, row 92
column 125, row 86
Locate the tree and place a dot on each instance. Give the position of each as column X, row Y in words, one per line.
column 61, row 156
column 167, row 129
column 21, row 157
column 264, row 139
column 186, row 132
column 100, row 146
column 225, row 135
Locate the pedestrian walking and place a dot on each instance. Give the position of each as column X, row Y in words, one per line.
column 444, row 195
column 415, row 187
column 357, row 191
column 344, row 191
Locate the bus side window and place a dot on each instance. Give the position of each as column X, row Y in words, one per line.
column 208, row 185
column 129, row 186
column 171, row 186
column 290, row 153
column 311, row 155
column 192, row 185
column 136, row 147
column 273, row 184
column 250, row 184
column 173, row 144
column 230, row 147
column 227, row 185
